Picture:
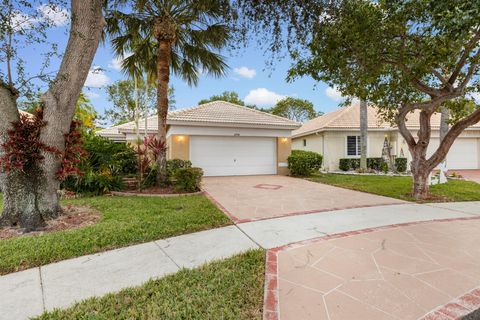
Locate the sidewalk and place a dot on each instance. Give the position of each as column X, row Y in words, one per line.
column 61, row 284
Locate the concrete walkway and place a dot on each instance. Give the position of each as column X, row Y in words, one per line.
column 60, row 284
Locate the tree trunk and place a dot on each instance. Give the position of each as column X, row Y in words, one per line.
column 420, row 172
column 33, row 196
column 163, row 79
column 363, row 133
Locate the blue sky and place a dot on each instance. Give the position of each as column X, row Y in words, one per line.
column 247, row 76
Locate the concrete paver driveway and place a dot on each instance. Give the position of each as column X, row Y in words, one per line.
column 248, row 198
column 421, row 271
column 471, row 175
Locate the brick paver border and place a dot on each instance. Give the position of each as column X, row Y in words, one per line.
column 454, row 310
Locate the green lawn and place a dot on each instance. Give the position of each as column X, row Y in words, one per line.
column 400, row 187
column 125, row 221
column 228, row 289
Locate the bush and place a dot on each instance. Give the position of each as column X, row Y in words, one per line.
column 401, row 164
column 375, row 163
column 175, row 164
column 188, row 179
column 345, row 164
column 304, row 163
column 94, row 183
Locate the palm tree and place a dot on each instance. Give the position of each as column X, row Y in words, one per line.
column 163, row 36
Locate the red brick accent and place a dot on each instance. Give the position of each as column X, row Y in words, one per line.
column 228, row 213
column 451, row 311
column 270, row 303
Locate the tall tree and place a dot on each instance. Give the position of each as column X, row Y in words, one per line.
column 408, row 56
column 165, row 36
column 122, row 94
column 299, row 110
column 228, row 96
column 30, row 195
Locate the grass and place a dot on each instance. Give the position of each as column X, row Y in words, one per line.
column 125, row 221
column 400, row 187
column 228, row 289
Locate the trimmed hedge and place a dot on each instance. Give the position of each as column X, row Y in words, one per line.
column 401, row 164
column 188, row 179
column 304, row 163
column 347, row 164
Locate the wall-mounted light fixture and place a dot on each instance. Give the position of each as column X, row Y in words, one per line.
column 284, row 140
column 180, row 138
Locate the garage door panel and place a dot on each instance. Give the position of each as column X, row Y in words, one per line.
column 224, row 156
column 464, row 153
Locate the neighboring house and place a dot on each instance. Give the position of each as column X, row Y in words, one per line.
column 222, row 138
column 336, row 135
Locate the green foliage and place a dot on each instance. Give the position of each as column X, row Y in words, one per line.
column 176, row 164
column 347, row 164
column 384, row 167
column 401, row 164
column 304, row 163
column 188, row 179
column 375, row 163
column 105, row 165
column 228, row 96
column 94, row 183
column 295, row 109
column 197, row 29
column 122, row 95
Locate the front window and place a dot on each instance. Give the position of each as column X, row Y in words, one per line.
column 353, row 146
column 304, row 142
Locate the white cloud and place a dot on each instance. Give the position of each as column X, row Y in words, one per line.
column 21, row 21
column 116, row 63
column 97, row 78
column 245, row 72
column 334, row 94
column 54, row 15
column 263, row 97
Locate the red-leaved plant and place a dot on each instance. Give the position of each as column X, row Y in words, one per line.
column 74, row 152
column 23, row 151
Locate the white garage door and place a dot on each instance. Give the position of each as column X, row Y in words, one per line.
column 462, row 155
column 232, row 156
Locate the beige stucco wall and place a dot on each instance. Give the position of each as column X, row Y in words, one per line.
column 332, row 145
column 178, row 147
column 284, row 148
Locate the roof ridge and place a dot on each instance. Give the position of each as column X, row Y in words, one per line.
column 258, row 111
column 342, row 110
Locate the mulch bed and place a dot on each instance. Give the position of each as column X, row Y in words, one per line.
column 74, row 217
column 156, row 190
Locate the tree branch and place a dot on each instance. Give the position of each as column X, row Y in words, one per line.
column 463, row 59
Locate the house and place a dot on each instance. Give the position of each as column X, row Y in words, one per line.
column 222, row 138
column 336, row 135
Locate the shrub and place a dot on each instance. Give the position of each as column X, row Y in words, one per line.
column 175, row 164
column 401, row 164
column 188, row 179
column 304, row 163
column 375, row 163
column 345, row 164
column 93, row 182
column 384, row 167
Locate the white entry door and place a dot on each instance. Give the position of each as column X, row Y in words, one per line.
column 233, row 156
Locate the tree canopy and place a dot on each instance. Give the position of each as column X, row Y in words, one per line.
column 299, row 110
column 402, row 56
column 228, row 96
column 122, row 95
